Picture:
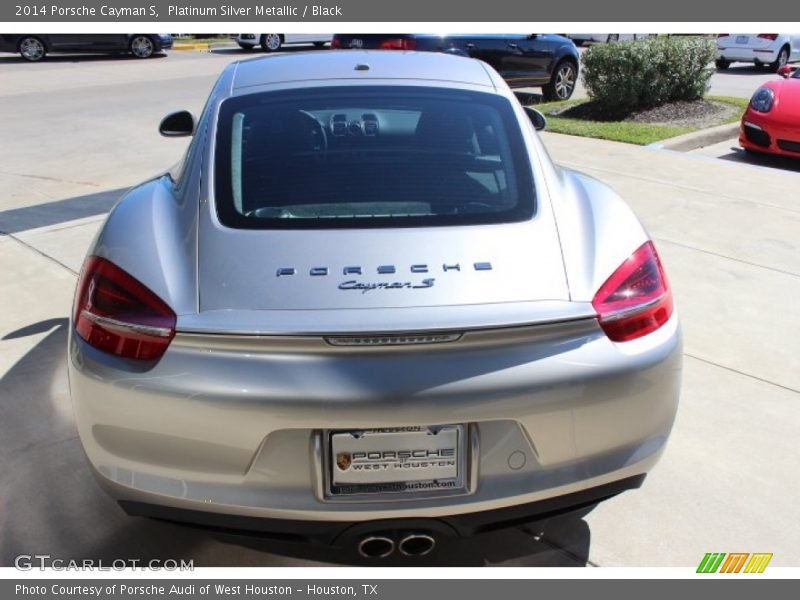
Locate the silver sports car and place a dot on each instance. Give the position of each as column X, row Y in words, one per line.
column 367, row 310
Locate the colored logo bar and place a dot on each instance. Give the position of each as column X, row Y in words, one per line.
column 734, row 562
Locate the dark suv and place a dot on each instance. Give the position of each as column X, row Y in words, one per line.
column 523, row 60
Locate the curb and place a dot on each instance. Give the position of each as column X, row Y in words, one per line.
column 205, row 46
column 699, row 139
column 190, row 46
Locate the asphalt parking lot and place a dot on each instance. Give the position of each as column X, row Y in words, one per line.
column 78, row 132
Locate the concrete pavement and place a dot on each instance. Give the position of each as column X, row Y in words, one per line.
column 740, row 80
column 82, row 131
column 95, row 148
column 727, row 235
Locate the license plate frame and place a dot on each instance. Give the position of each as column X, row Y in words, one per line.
column 742, row 40
column 385, row 450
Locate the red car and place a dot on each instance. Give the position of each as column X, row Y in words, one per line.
column 771, row 122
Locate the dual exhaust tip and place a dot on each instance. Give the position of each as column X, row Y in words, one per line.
column 382, row 546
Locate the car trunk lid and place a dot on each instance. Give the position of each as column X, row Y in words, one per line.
column 339, row 279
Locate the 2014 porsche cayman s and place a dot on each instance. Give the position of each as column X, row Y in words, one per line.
column 367, row 310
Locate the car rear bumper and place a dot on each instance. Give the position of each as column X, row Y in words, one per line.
column 236, row 428
column 753, row 55
column 341, row 532
column 248, row 40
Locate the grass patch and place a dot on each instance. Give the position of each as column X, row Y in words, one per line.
column 630, row 132
column 741, row 103
column 617, row 131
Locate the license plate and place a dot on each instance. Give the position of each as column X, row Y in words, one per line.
column 408, row 459
column 742, row 39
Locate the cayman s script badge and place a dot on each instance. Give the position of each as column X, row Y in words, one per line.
column 385, row 285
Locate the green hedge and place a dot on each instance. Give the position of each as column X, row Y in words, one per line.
column 627, row 76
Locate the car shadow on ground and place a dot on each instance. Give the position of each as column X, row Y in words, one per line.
column 784, row 163
column 51, row 504
column 237, row 51
column 747, row 69
column 16, row 220
column 77, row 58
column 527, row 97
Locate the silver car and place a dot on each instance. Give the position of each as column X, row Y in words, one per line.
column 367, row 310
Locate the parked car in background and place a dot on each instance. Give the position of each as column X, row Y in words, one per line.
column 581, row 38
column 523, row 60
column 272, row 42
column 386, row 318
column 35, row 46
column 768, row 49
column 771, row 122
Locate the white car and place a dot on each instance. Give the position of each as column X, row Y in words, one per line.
column 580, row 38
column 272, row 42
column 772, row 49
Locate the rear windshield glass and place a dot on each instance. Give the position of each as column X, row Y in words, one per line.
column 370, row 157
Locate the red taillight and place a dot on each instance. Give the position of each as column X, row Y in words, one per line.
column 768, row 36
column 636, row 299
column 399, row 44
column 117, row 314
column 336, row 43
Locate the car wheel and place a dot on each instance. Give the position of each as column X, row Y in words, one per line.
column 562, row 84
column 722, row 64
column 142, row 46
column 32, row 49
column 783, row 58
column 613, row 37
column 271, row 42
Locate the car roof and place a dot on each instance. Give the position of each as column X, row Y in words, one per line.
column 360, row 65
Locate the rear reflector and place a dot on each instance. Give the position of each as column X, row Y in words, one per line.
column 117, row 314
column 636, row 299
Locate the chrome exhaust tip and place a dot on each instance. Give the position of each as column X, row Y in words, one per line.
column 375, row 546
column 417, row 544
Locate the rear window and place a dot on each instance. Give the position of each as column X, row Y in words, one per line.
column 370, row 157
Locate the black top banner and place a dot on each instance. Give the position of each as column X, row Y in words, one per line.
column 388, row 11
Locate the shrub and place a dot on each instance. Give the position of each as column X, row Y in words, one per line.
column 627, row 76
